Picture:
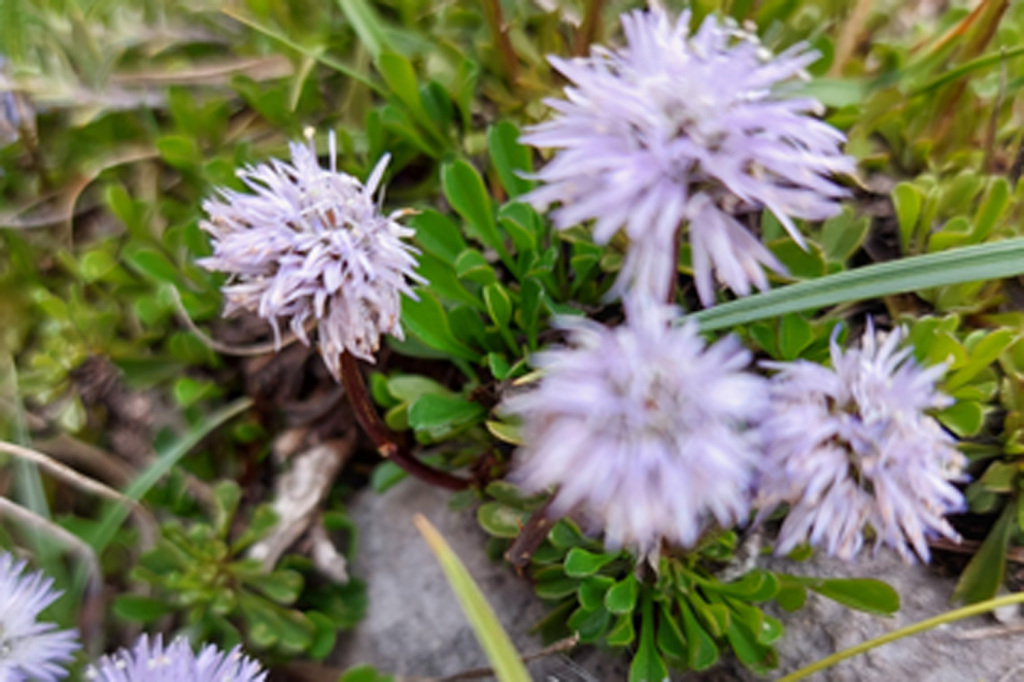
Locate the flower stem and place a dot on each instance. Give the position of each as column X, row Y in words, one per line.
column 502, row 44
column 941, row 619
column 588, row 29
column 381, row 435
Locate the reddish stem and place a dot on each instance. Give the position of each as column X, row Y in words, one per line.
column 380, row 434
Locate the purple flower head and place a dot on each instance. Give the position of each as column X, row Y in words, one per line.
column 673, row 129
column 311, row 244
column 30, row 650
column 642, row 429
column 151, row 661
column 851, row 446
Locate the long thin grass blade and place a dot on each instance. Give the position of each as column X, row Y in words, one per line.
column 956, row 266
column 505, row 660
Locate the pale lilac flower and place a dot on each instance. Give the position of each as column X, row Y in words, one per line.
column 673, row 129
column 30, row 650
column 311, row 244
column 150, row 661
column 852, row 446
column 642, row 428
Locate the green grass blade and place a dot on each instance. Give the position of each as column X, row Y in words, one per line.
column 953, row 74
column 504, row 658
column 368, row 27
column 993, row 260
column 317, row 54
column 116, row 514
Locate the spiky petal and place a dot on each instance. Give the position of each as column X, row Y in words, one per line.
column 150, row 661
column 852, row 446
column 674, row 128
column 642, row 428
column 310, row 244
column 29, row 649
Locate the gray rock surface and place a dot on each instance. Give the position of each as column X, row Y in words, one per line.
column 414, row 626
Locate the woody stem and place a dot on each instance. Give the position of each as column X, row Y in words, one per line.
column 386, row 442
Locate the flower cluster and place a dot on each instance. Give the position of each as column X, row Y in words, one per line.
column 674, row 129
column 619, row 424
column 851, row 446
column 151, row 661
column 29, row 649
column 311, row 245
column 640, row 428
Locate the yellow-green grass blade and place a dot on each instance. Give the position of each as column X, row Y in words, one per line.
column 505, row 660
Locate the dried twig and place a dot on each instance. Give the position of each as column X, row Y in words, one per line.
column 211, row 73
column 147, row 524
column 299, row 493
column 253, row 350
column 990, row 631
column 850, row 34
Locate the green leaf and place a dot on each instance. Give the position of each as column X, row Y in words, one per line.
column 703, row 652
column 864, row 594
column 142, row 609
column 188, row 391
column 151, row 263
column 968, row 264
column 364, row 673
column 501, row 653
column 407, row 388
column 428, row 320
column 510, row 158
column 590, row 625
column 367, row 25
column 556, row 586
column 1000, row 477
column 438, row 235
column 513, row 495
column 670, row 638
column 507, row 433
column 791, row 597
column 964, row 418
column 499, row 304
column 500, row 520
column 746, row 647
column 465, row 191
column 95, row 264
column 843, row 234
column 529, row 311
column 401, row 78
column 472, row 265
column 283, row 586
column 432, row 412
column 580, row 563
column 647, row 665
column 226, row 497
column 795, row 335
column 997, row 198
column 592, row 591
column 982, row 354
column 565, row 535
column 622, row 633
column 906, row 199
column 621, row 598
column 445, row 282
column 180, row 151
column 325, row 638
column 756, row 585
column 984, row 574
